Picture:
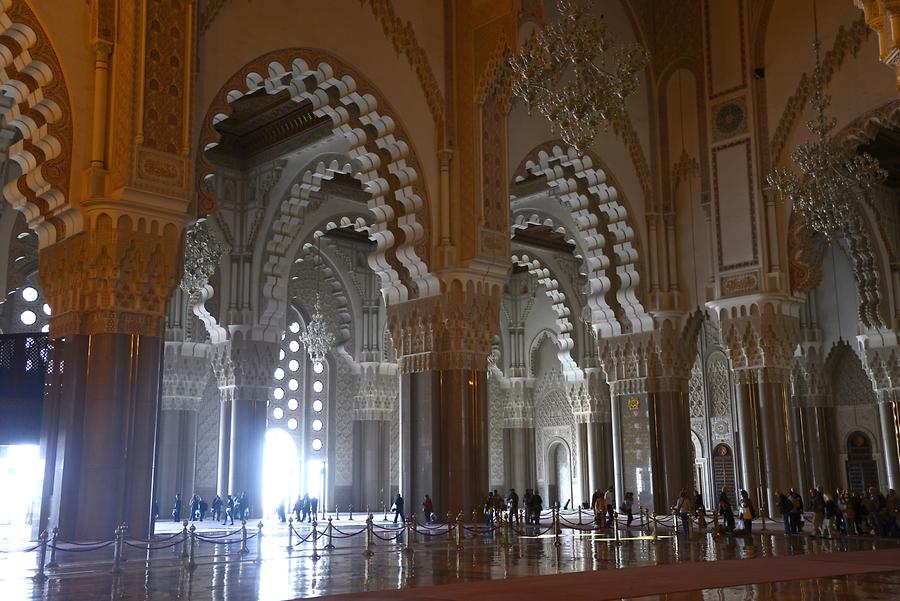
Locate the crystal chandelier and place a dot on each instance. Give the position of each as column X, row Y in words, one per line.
column 202, row 251
column 317, row 336
column 581, row 100
column 832, row 175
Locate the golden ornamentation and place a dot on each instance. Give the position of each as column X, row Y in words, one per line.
column 112, row 278
column 884, row 17
column 634, row 403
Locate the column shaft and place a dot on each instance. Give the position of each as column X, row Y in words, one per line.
column 747, row 437
column 444, row 438
column 888, row 416
column 817, row 434
column 371, row 464
column 518, row 451
column 616, row 435
column 776, row 443
column 671, row 457
column 177, row 457
column 223, row 478
column 248, row 430
column 105, row 435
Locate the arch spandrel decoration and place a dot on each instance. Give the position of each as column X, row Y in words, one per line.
column 378, row 155
column 37, row 106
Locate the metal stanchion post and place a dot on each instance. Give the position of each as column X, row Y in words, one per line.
column 641, row 517
column 716, row 530
column 460, row 524
column 556, row 528
column 191, row 564
column 329, row 533
column 674, row 521
column 315, row 541
column 474, row 524
column 259, row 537
column 290, row 545
column 368, row 551
column 384, row 509
column 762, row 512
column 124, row 527
column 337, row 513
column 506, row 523
column 654, row 526
column 117, row 552
column 449, row 528
column 244, row 549
column 409, row 535
column 616, row 527
column 184, row 539
column 350, row 511
column 579, row 516
column 52, row 563
column 42, row 557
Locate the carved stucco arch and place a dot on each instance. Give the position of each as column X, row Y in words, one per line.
column 561, row 306
column 604, row 233
column 378, row 155
column 35, row 104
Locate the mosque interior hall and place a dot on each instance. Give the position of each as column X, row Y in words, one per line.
column 449, row 299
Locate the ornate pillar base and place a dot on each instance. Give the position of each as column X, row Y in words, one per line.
column 444, row 439
column 100, row 435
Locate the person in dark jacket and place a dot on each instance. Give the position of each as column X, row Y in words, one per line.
column 217, row 507
column 748, row 513
column 298, row 508
column 726, row 510
column 398, row 508
column 784, row 507
column 176, row 508
column 229, row 510
column 831, row 513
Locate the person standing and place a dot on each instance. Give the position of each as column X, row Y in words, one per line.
column 176, row 508
column 217, row 507
column 628, row 508
column 298, row 508
column 726, row 510
column 748, row 512
column 398, row 508
column 831, row 512
column 609, row 499
column 229, row 510
column 683, row 509
column 817, row 506
column 512, row 505
column 537, row 506
column 282, row 517
column 428, row 509
column 314, row 507
column 784, row 508
column 527, row 505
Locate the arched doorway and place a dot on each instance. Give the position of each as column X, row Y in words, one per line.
column 862, row 471
column 281, row 471
column 700, row 468
column 723, row 472
column 559, row 475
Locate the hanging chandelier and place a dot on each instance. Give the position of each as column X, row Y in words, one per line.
column 202, row 252
column 575, row 75
column 317, row 336
column 832, row 176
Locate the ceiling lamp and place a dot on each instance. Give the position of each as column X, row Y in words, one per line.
column 575, row 75
column 202, row 252
column 832, row 176
column 317, row 336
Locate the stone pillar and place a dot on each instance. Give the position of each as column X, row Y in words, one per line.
column 761, row 334
column 253, row 362
column 373, row 408
column 103, row 407
column 817, row 435
column 672, row 458
column 518, row 448
column 888, row 418
column 185, row 372
column 442, row 344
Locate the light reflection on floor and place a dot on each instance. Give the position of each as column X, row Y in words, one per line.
column 162, row 575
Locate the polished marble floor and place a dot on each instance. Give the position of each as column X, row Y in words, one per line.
column 274, row 573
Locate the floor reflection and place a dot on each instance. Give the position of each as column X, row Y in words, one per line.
column 223, row 574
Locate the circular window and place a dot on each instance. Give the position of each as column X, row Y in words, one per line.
column 317, row 424
column 46, row 328
column 294, row 346
column 281, row 354
column 279, row 374
column 277, row 412
column 295, row 327
column 318, row 386
column 294, row 365
column 317, row 405
column 278, row 393
column 317, row 444
column 30, row 294
column 28, row 317
column 292, row 404
column 46, row 309
column 293, row 384
column 292, row 424
column 318, row 368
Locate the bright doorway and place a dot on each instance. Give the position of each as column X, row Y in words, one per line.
column 281, row 471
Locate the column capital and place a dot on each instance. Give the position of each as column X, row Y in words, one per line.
column 760, row 332
column 881, row 357
column 113, row 277
column 883, row 16
column 452, row 330
column 186, row 370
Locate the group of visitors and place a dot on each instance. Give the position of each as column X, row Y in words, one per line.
column 305, row 509
column 841, row 512
column 604, row 507
column 235, row 506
